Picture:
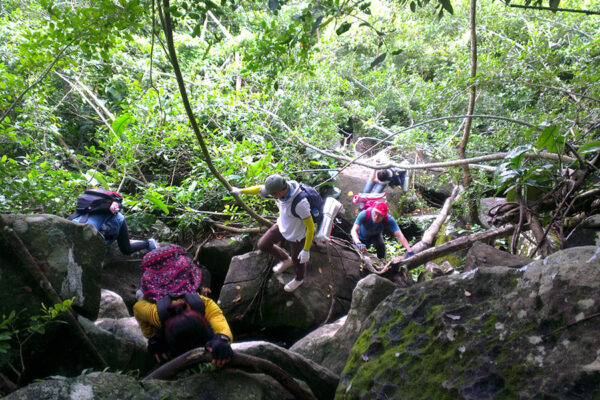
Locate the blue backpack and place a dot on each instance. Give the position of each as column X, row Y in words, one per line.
column 314, row 199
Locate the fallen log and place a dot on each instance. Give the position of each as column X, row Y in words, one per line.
column 446, row 248
column 239, row 360
column 434, row 228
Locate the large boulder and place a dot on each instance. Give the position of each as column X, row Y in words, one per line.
column 224, row 384
column 351, row 180
column 112, row 306
column 483, row 255
column 253, row 297
column 321, row 380
column 122, row 273
column 330, row 344
column 494, row 332
column 587, row 233
column 70, row 256
column 216, row 255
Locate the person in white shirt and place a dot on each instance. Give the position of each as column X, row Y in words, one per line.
column 298, row 231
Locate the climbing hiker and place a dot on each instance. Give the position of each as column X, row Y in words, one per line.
column 102, row 208
column 172, row 315
column 300, row 207
column 369, row 226
column 380, row 178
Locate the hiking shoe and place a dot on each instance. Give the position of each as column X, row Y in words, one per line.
column 293, row 285
column 152, row 244
column 283, row 265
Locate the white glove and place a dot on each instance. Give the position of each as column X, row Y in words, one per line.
column 304, row 256
column 235, row 190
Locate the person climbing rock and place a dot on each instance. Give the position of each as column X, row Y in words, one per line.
column 102, row 209
column 295, row 224
column 172, row 314
column 369, row 226
column 380, row 178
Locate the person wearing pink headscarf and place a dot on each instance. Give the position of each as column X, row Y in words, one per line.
column 369, row 226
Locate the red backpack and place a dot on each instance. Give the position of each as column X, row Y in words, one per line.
column 169, row 271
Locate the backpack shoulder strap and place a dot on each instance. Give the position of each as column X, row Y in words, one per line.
column 193, row 299
column 196, row 302
column 161, row 306
column 297, row 199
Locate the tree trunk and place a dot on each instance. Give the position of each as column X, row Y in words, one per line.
column 462, row 146
column 165, row 17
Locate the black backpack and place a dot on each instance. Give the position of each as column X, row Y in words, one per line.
column 94, row 200
column 193, row 299
column 314, row 199
column 398, row 177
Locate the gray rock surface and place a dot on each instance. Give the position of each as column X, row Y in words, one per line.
column 70, row 255
column 112, row 305
column 494, row 332
column 253, row 295
column 224, row 385
column 330, row 344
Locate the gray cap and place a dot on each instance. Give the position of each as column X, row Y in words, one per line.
column 273, row 184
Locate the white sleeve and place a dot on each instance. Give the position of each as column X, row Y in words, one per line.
column 303, row 209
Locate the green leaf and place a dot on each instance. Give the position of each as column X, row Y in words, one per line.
column 378, row 60
column 548, row 139
column 413, row 6
column 120, row 123
column 589, row 147
column 343, row 28
column 447, row 6
column 273, row 5
column 396, row 52
column 155, row 199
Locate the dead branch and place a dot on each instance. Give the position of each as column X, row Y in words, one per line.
column 20, row 250
column 447, row 248
column 239, row 360
column 434, row 228
column 237, row 230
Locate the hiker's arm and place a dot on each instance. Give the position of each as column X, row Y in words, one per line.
column 216, row 319
column 147, row 317
column 374, row 176
column 248, row 190
column 310, row 232
column 402, row 240
column 354, row 233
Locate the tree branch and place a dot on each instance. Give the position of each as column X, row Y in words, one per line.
column 165, row 16
column 239, row 360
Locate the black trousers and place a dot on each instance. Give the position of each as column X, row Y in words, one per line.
column 378, row 242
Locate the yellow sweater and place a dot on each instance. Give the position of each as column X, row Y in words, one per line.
column 147, row 316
